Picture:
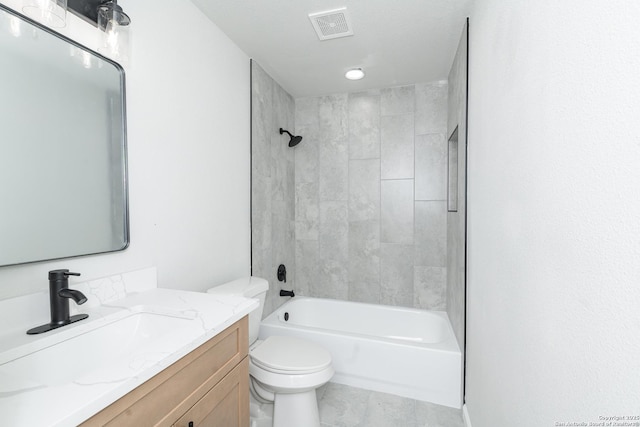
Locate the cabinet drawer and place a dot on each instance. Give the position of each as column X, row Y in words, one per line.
column 166, row 397
column 225, row 405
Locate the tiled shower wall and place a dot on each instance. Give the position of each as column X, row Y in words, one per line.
column 370, row 196
column 272, row 185
column 456, row 223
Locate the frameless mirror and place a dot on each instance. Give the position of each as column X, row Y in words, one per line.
column 63, row 178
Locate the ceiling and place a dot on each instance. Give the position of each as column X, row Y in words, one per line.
column 396, row 42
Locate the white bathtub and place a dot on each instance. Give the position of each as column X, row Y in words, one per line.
column 403, row 351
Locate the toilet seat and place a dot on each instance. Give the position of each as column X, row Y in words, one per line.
column 283, row 383
column 290, row 356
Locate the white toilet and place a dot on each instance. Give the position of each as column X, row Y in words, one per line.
column 283, row 370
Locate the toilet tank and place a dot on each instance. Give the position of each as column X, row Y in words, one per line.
column 248, row 287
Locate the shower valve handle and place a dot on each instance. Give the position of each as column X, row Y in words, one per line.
column 282, row 273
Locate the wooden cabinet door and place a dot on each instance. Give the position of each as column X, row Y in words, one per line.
column 225, row 405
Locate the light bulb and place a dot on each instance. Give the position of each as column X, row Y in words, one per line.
column 354, row 74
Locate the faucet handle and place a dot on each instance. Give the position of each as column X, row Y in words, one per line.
column 61, row 274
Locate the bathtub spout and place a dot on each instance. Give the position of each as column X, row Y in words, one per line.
column 284, row 293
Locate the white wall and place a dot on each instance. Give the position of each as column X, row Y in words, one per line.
column 188, row 135
column 554, row 212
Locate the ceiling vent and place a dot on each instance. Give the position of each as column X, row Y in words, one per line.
column 332, row 23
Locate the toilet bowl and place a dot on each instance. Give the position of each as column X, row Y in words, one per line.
column 287, row 371
column 283, row 370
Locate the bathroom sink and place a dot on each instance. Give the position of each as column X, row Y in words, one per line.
column 63, row 377
column 114, row 347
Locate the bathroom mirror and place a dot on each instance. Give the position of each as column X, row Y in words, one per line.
column 63, row 177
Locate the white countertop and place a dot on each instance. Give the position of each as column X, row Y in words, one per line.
column 27, row 402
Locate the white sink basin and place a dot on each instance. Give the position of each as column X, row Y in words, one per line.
column 74, row 358
column 63, row 377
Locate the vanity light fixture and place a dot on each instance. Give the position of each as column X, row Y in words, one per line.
column 114, row 26
column 88, row 9
column 112, row 23
column 354, row 74
column 52, row 13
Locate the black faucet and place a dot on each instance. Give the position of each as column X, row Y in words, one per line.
column 59, row 295
column 284, row 293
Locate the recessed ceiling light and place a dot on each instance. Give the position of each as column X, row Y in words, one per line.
column 354, row 74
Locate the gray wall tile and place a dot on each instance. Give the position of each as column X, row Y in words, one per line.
column 430, row 233
column 364, row 261
column 262, row 119
column 307, row 125
column 430, row 285
column 333, row 148
column 354, row 188
column 333, row 170
column 333, row 280
column 283, row 115
column 364, row 126
column 364, row 291
column 333, row 250
column 397, row 100
column 431, row 108
column 334, row 231
column 307, row 211
column 264, row 268
column 261, row 263
column 261, row 150
column 306, row 112
column 261, row 212
column 306, row 268
column 272, row 186
column 397, row 146
column 278, row 168
column 283, row 236
column 290, row 190
column 364, row 189
column 396, row 211
column 306, row 154
column 456, row 220
column 396, row 274
column 332, row 115
column 431, row 167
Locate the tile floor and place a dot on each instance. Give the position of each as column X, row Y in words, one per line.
column 343, row 406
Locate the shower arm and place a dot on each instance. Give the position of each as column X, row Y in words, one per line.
column 286, row 131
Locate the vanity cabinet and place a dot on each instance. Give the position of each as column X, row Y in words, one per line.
column 207, row 387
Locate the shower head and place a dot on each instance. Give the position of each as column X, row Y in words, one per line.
column 294, row 140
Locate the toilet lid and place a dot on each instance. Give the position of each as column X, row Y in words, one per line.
column 292, row 355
